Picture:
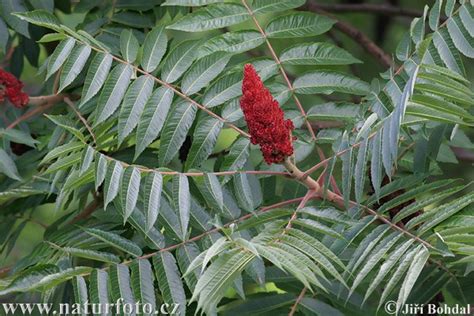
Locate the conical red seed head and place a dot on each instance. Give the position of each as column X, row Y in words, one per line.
column 265, row 119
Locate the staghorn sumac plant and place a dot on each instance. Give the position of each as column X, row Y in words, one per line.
column 231, row 157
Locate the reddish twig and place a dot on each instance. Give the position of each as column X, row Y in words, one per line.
column 87, row 211
column 298, row 300
column 83, row 120
column 240, row 219
column 42, row 103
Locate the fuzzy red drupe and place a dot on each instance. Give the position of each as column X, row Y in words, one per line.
column 11, row 87
column 265, row 119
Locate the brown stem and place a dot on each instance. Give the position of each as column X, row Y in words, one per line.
column 83, row 120
column 298, row 300
column 324, row 162
column 87, row 211
column 339, row 201
column 356, row 35
column 317, row 191
column 198, row 237
column 200, row 174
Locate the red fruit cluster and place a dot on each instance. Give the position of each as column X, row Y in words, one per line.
column 265, row 119
column 11, row 87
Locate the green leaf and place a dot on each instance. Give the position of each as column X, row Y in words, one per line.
column 80, row 291
column 129, row 189
column 96, row 75
column 91, row 254
column 223, row 89
column 399, row 112
column 74, row 65
column 346, row 169
column 237, row 157
column 211, row 286
column 434, row 15
column 414, row 271
column 128, row 45
column 68, row 124
column 327, row 82
column 429, row 200
column 154, row 48
column 264, row 218
column 43, row 277
column 204, row 71
column 98, row 288
column 460, row 36
column 332, row 111
column 232, row 42
column 59, row 56
column 417, row 28
column 211, row 189
column 133, row 104
column 18, row 136
column 169, row 218
column 439, row 105
column 4, row 36
column 317, row 54
column 38, row 17
column 8, row 167
column 179, row 60
column 152, row 119
column 375, row 256
column 443, row 212
column 100, row 170
column 467, row 19
column 446, row 92
column 447, row 51
column 120, row 284
column 87, row 160
column 181, row 199
column 299, row 24
column 404, row 48
column 15, row 21
column 115, row 240
column 376, row 163
column 243, row 192
column 153, row 237
column 64, row 163
column 176, row 128
column 268, row 6
column 151, row 198
column 387, row 158
column 112, row 182
column 212, row 17
column 317, row 227
column 387, row 266
column 314, row 254
column 395, row 277
column 169, row 281
column 449, row 7
column 204, row 139
column 63, row 150
column 114, row 89
column 142, row 283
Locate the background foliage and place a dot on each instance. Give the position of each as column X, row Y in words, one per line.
column 140, row 181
